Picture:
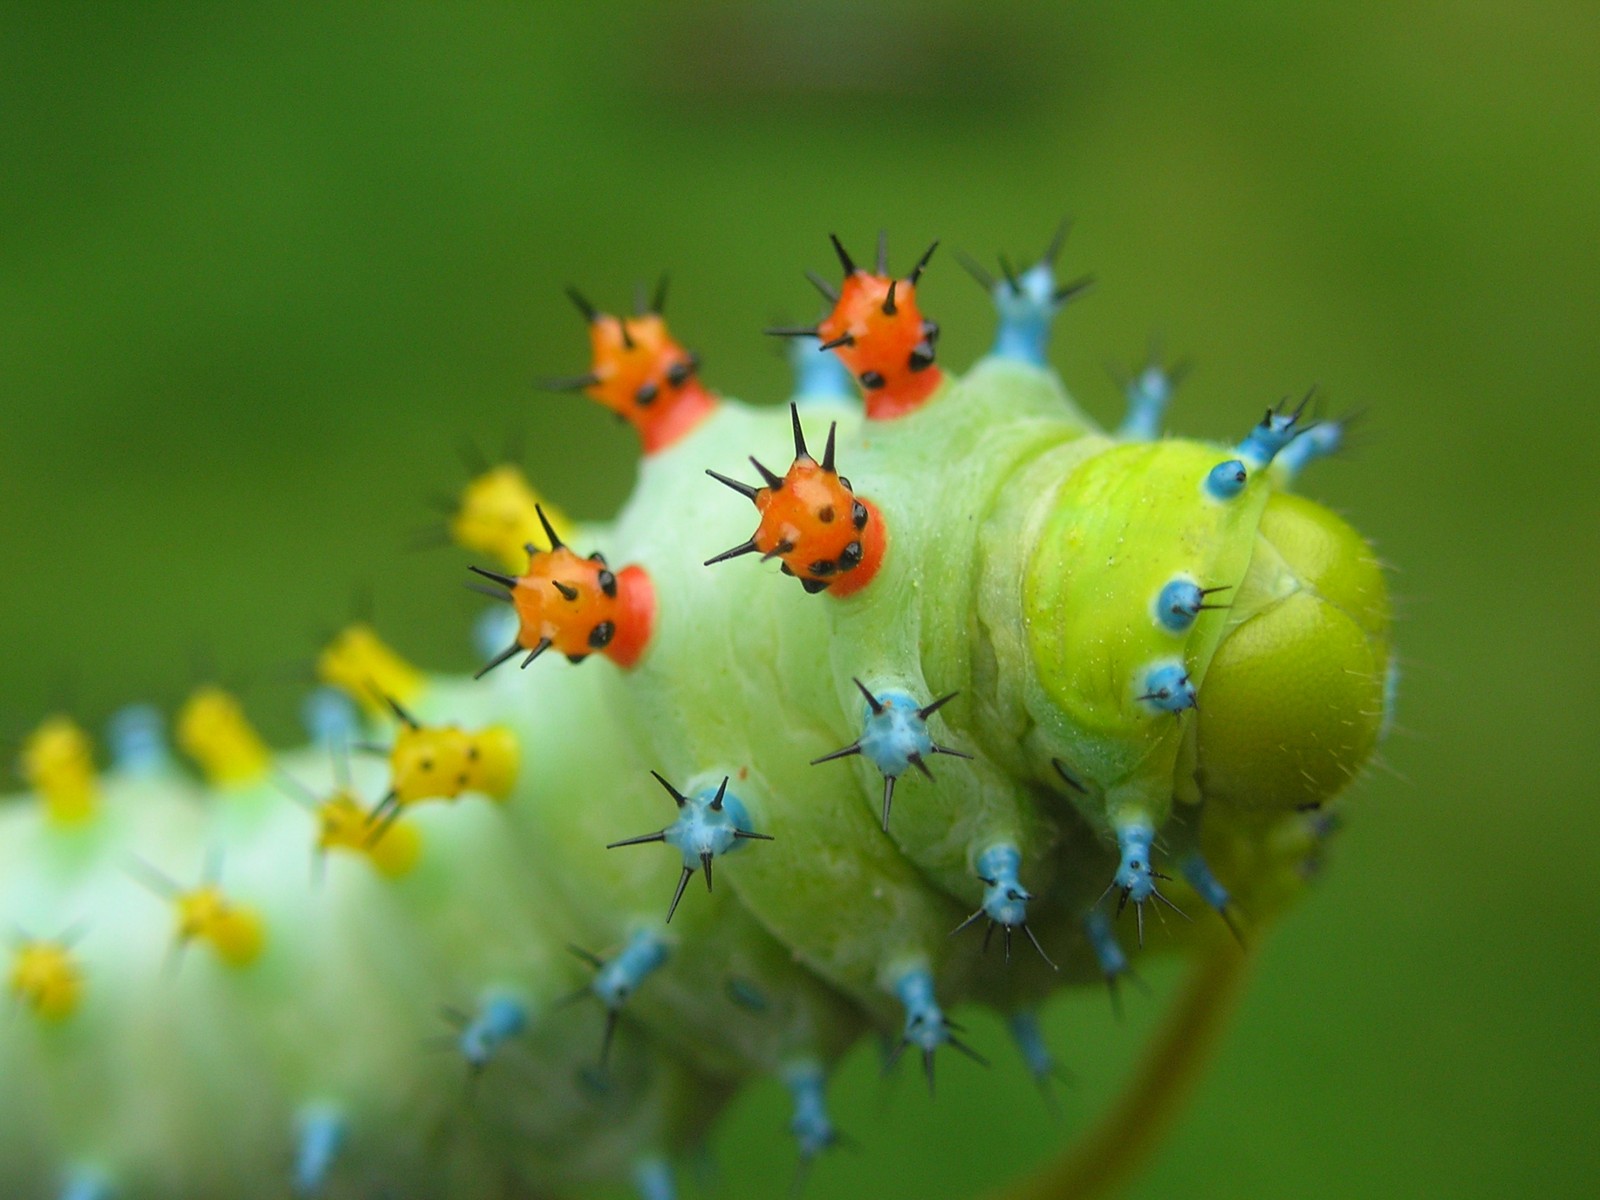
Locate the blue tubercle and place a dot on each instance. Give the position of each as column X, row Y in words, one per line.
column 809, row 1121
column 1226, row 480
column 712, row 821
column 1135, row 877
column 1178, row 604
column 331, row 719
column 1148, row 393
column 1206, row 885
column 895, row 737
column 1028, row 1034
column 1274, row 432
column 1108, row 951
column 820, row 379
column 320, row 1135
column 1319, row 441
column 137, row 736
column 500, row 1017
column 1005, row 900
column 652, row 1179
column 926, row 1026
column 1167, row 688
column 618, row 979
column 1027, row 303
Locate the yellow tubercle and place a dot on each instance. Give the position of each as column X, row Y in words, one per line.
column 235, row 933
column 213, row 730
column 497, row 517
column 443, row 761
column 360, row 664
column 492, row 762
column 58, row 763
column 344, row 824
column 47, row 979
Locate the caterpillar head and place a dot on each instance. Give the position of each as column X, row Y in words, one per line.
column 1229, row 647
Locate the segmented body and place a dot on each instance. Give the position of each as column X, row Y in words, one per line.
column 1031, row 604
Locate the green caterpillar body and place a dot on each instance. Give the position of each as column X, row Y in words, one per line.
column 1025, row 552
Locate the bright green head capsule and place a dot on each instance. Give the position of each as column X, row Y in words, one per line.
column 1187, row 644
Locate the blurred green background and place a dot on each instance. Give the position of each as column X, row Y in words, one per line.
column 263, row 268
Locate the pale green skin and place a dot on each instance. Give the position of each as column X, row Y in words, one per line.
column 746, row 675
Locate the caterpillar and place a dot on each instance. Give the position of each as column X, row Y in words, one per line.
column 692, row 824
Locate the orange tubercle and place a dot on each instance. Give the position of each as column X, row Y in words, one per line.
column 566, row 603
column 636, row 616
column 883, row 339
column 576, row 606
column 874, row 543
column 812, row 521
column 640, row 372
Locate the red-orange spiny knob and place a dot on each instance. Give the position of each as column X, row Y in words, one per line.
column 641, row 373
column 812, row 521
column 881, row 337
column 576, row 606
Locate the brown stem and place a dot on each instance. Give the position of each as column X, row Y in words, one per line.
column 1097, row 1163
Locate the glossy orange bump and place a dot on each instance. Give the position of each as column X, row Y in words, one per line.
column 640, row 372
column 812, row 521
column 577, row 606
column 879, row 334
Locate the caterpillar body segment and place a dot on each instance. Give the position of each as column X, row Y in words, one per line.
column 1091, row 671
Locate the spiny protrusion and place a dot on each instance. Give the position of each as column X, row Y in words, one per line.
column 212, row 729
column 574, row 605
column 1181, row 601
column 136, row 736
column 1226, row 480
column 818, row 378
column 1280, row 426
column 358, row 662
column 440, row 762
column 57, row 762
column 710, row 822
column 1005, row 900
column 1198, row 875
column 617, row 979
column 320, row 1131
column 926, row 1027
column 809, row 1123
column 481, row 1035
column 641, row 373
column 895, row 738
column 1136, row 876
column 1167, row 688
column 812, row 521
column 1148, row 393
column 1322, row 440
column 1028, row 1034
column 879, row 335
column 344, row 823
column 46, row 977
column 1028, row 302
column 1108, row 954
column 498, row 515
column 235, row 933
